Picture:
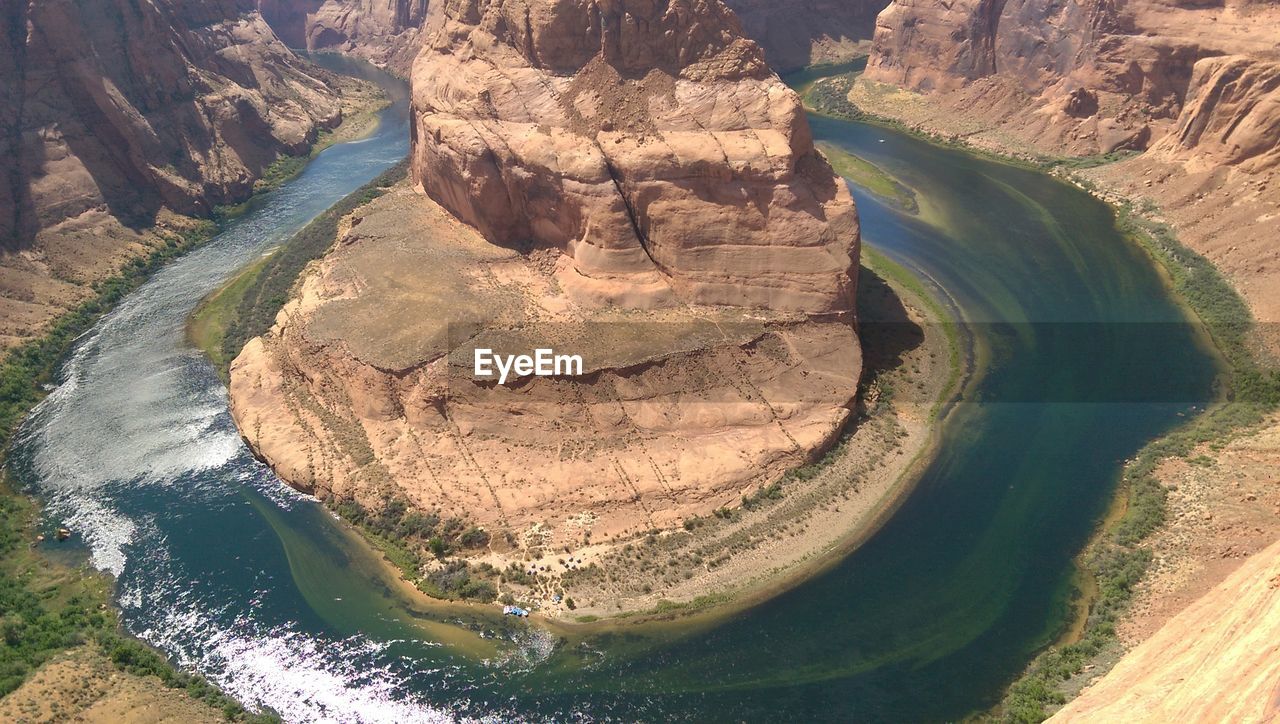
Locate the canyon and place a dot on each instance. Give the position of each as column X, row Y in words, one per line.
column 633, row 183
column 1172, row 108
column 794, row 34
column 1184, row 97
column 635, row 188
column 125, row 122
column 385, row 32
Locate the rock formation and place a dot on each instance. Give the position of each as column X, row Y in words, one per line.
column 1098, row 76
column 649, row 142
column 1219, row 660
column 1192, row 85
column 634, row 186
column 797, row 33
column 114, row 111
column 385, row 32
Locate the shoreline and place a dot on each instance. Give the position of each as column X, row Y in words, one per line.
column 1080, row 647
column 138, row 672
column 709, row 608
column 783, row 567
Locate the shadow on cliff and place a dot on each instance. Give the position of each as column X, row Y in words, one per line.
column 886, row 331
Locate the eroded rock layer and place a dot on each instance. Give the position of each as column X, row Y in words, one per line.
column 623, row 181
column 1098, row 76
column 648, row 141
column 1193, row 86
column 364, row 389
column 1218, row 660
column 133, row 106
column 385, row 32
column 113, row 112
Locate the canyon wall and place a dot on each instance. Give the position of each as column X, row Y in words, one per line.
column 1082, row 76
column 797, row 33
column 624, row 181
column 1218, row 660
column 116, row 113
column 1191, row 90
column 385, row 32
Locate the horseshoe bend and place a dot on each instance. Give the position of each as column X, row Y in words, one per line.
column 639, row 191
column 722, row 360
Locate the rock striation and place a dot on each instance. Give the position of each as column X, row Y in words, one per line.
column 625, row 181
column 798, row 33
column 1190, row 85
column 1097, row 76
column 648, row 142
column 136, row 106
column 1218, row 660
column 114, row 112
column 385, row 32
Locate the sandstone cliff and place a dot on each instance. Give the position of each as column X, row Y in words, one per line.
column 797, row 33
column 638, row 188
column 385, row 32
column 1191, row 85
column 1084, row 76
column 649, row 142
column 116, row 113
column 1219, row 660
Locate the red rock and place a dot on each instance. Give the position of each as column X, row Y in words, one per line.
column 705, row 189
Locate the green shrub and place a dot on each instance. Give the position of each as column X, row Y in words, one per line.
column 269, row 290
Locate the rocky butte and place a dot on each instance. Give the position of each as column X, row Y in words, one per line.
column 625, row 181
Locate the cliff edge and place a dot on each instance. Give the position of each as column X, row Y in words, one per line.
column 115, row 117
column 626, row 182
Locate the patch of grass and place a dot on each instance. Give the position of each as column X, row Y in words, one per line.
column 247, row 307
column 1076, row 163
column 828, row 95
column 904, row 278
column 208, row 324
column 45, row 609
column 409, row 538
column 870, row 177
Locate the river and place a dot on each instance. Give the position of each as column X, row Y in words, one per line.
column 1086, row 357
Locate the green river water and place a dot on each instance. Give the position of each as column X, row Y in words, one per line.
column 1085, row 357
